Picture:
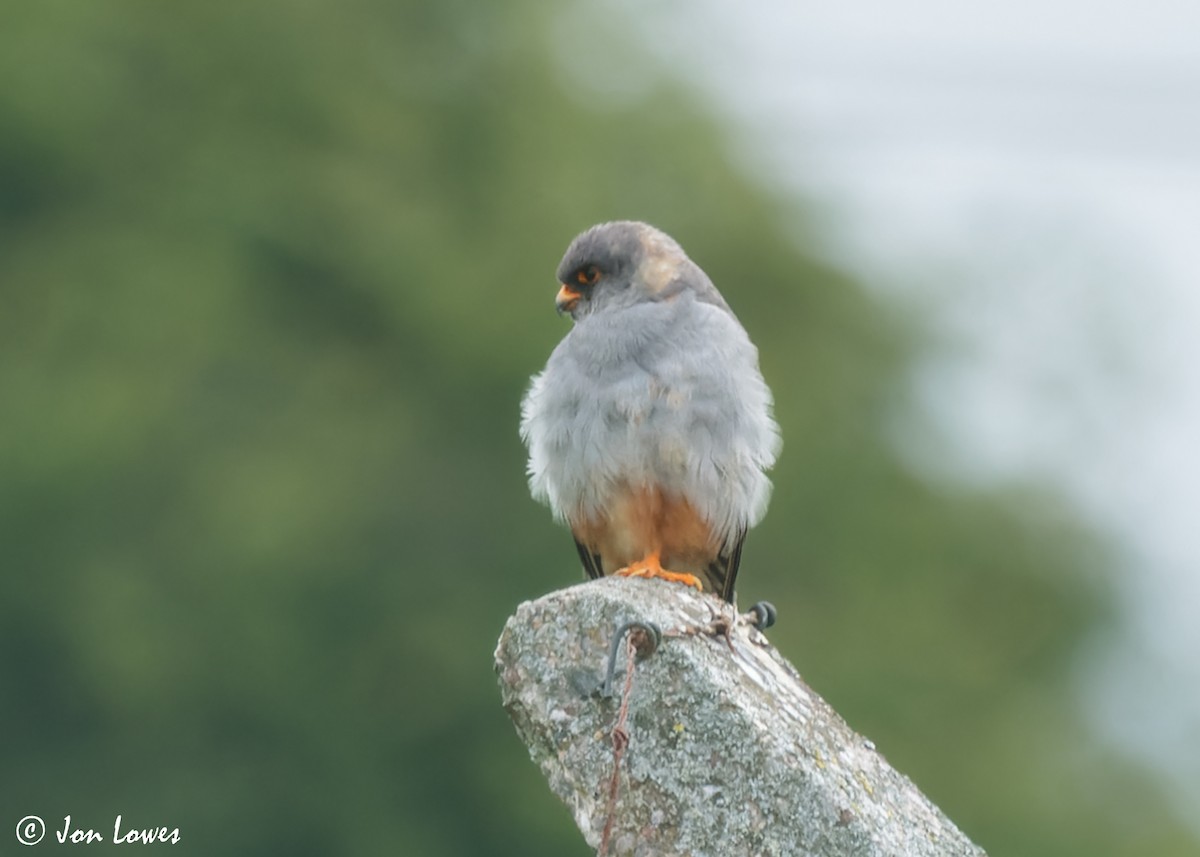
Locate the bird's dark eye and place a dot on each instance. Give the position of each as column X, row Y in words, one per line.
column 587, row 276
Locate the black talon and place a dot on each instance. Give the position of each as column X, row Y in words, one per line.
column 646, row 644
column 764, row 615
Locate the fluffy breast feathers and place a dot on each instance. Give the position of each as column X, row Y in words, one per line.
column 663, row 395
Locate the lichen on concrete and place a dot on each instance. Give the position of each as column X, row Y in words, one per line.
column 730, row 752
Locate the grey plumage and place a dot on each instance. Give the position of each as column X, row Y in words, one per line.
column 656, row 386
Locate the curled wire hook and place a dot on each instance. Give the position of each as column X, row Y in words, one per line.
column 646, row 643
column 763, row 615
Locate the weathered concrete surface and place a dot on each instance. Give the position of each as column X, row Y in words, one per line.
column 730, row 753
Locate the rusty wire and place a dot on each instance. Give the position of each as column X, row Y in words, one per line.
column 642, row 638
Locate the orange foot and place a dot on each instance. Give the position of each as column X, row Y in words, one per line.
column 652, row 567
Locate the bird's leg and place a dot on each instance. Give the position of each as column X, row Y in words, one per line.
column 651, row 566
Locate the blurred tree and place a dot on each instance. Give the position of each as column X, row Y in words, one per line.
column 274, row 277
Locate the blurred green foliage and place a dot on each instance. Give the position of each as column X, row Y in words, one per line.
column 274, row 277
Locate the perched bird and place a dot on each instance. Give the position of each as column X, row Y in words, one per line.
column 650, row 428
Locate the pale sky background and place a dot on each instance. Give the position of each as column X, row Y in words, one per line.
column 1042, row 159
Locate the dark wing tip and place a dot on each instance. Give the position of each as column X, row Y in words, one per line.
column 591, row 561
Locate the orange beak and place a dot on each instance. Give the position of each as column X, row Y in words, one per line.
column 566, row 299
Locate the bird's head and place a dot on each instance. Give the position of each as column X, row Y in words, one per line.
column 619, row 264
